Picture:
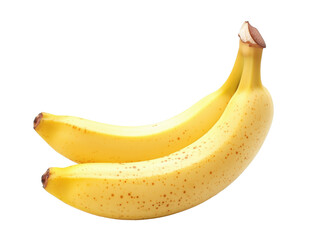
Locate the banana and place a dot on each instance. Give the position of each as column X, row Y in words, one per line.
column 181, row 180
column 85, row 141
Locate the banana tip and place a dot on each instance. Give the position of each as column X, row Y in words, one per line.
column 44, row 178
column 37, row 120
column 257, row 36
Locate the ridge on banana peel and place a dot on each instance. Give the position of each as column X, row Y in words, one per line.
column 183, row 179
column 85, row 141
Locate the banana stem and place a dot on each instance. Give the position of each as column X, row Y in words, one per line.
column 251, row 76
column 230, row 85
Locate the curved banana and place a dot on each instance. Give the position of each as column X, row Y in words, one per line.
column 85, row 141
column 188, row 177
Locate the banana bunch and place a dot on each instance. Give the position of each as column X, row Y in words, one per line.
column 157, row 170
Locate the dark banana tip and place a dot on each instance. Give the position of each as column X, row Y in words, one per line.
column 44, row 178
column 37, row 120
column 257, row 37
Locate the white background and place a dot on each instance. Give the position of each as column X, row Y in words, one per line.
column 139, row 62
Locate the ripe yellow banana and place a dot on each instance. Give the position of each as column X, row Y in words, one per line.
column 183, row 179
column 85, row 141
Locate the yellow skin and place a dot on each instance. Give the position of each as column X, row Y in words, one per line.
column 85, row 141
column 188, row 177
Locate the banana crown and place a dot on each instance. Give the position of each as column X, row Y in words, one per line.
column 249, row 34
